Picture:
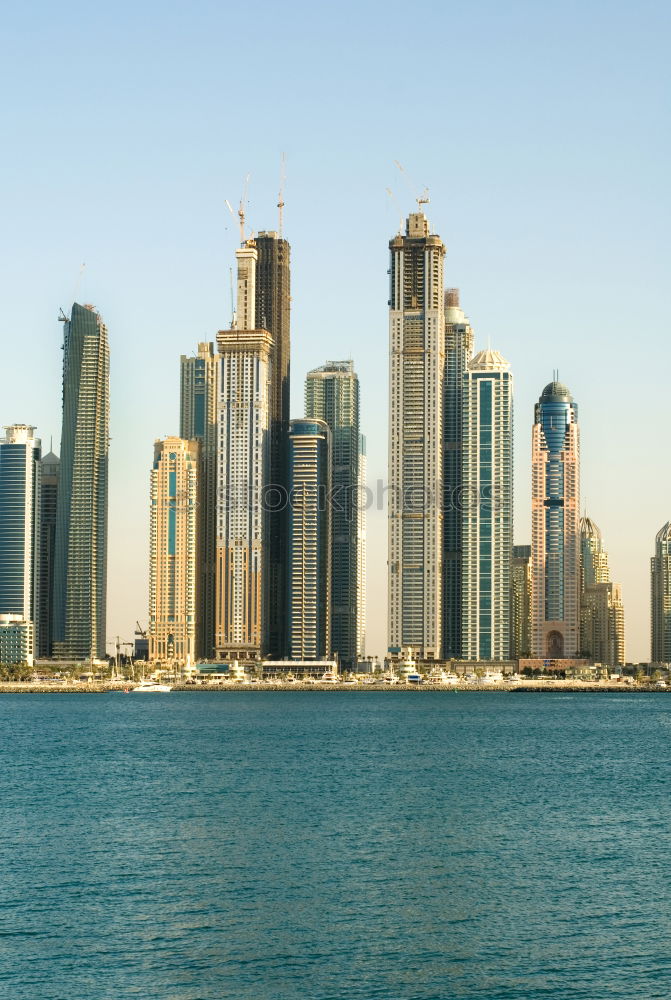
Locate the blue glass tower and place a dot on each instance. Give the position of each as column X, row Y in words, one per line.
column 556, row 525
column 19, row 522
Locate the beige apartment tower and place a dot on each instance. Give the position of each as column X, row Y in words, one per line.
column 174, row 584
column 601, row 607
column 416, row 380
column 243, row 468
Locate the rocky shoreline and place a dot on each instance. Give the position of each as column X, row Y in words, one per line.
column 527, row 687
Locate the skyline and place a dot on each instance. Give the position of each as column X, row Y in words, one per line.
column 551, row 199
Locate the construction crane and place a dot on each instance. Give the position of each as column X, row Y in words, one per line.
column 280, row 202
column 242, row 208
column 423, row 198
column 140, row 631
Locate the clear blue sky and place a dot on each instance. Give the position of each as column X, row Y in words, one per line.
column 542, row 131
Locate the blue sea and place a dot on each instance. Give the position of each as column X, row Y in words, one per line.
column 332, row 845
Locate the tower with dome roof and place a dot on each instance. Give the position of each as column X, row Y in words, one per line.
column 555, row 503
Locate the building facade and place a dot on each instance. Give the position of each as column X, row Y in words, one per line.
column 459, row 340
column 593, row 556
column 173, row 561
column 362, row 543
column 416, row 405
column 50, row 474
column 310, row 549
column 332, row 395
column 487, row 517
column 602, row 623
column 520, row 602
column 602, row 636
column 555, row 511
column 80, row 582
column 660, row 594
column 20, row 471
column 273, row 313
column 17, row 640
column 199, row 384
column 243, row 469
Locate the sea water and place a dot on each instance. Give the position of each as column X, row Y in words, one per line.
column 393, row 845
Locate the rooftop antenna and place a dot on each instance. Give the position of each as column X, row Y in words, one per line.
column 280, row 197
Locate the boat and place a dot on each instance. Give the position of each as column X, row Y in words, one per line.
column 152, row 687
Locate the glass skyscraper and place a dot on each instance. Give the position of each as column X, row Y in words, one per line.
column 660, row 593
column 199, row 383
column 458, row 352
column 48, row 513
column 80, row 582
column 332, row 395
column 487, row 520
column 309, row 540
column 555, row 506
column 20, row 525
column 272, row 295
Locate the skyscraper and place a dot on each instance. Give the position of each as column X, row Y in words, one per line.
column 660, row 593
column 310, row 540
column 520, row 602
column 20, row 525
column 602, row 623
column 332, row 395
column 48, row 511
column 80, row 583
column 417, row 369
column 199, row 378
column 601, row 607
column 273, row 313
column 555, row 512
column 593, row 555
column 174, row 549
column 361, row 561
column 243, row 469
column 487, row 521
column 458, row 353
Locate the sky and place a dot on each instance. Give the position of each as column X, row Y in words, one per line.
column 541, row 131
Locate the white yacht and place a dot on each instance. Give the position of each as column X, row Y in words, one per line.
column 152, row 687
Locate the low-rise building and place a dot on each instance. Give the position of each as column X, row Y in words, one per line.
column 16, row 640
